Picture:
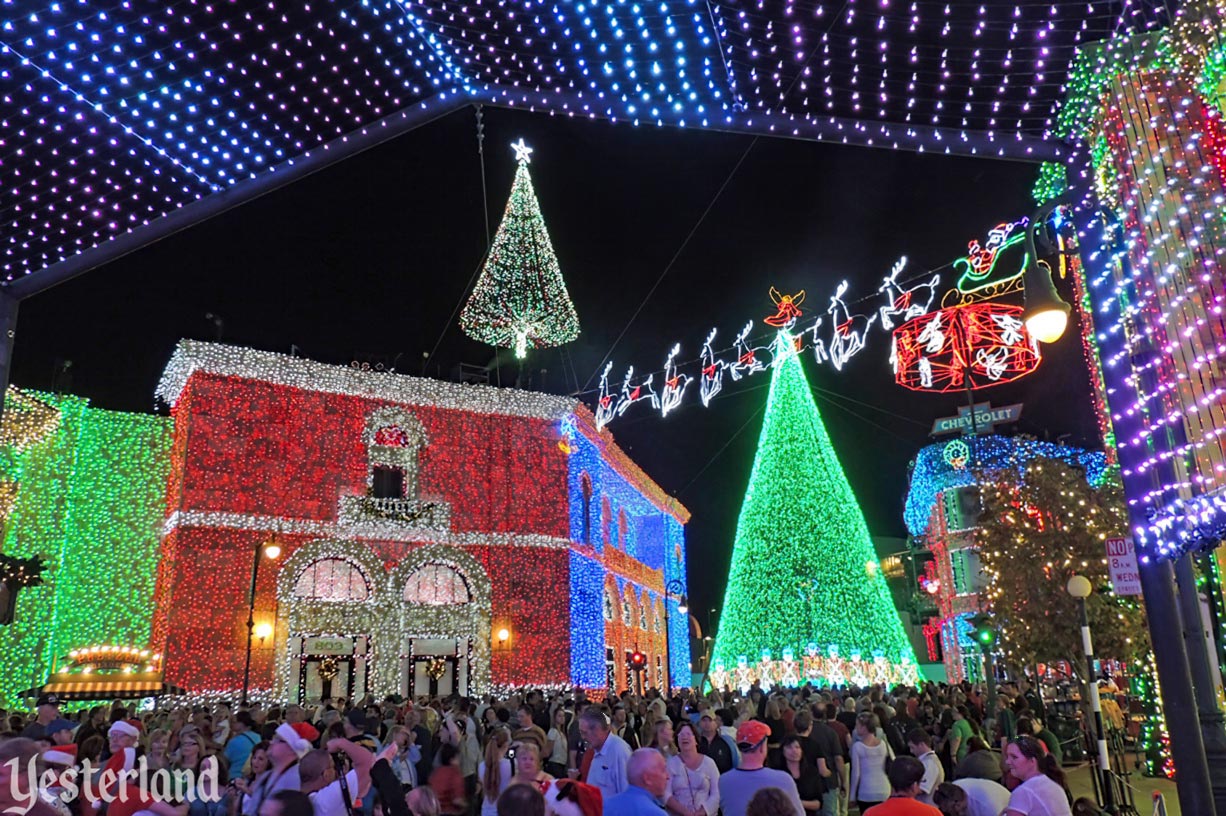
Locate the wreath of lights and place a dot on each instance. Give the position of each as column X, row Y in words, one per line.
column 956, row 454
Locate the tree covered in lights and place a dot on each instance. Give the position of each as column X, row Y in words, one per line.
column 520, row 300
column 1034, row 534
column 803, row 571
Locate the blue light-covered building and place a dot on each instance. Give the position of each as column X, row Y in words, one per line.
column 942, row 508
column 628, row 547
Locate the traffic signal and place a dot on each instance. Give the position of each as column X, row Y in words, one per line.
column 638, row 660
column 984, row 629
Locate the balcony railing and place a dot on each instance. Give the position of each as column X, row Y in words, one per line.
column 411, row 513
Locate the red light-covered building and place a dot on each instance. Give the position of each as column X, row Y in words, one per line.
column 433, row 536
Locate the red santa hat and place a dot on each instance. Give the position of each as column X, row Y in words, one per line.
column 298, row 736
column 129, row 728
column 567, row 797
column 61, row 755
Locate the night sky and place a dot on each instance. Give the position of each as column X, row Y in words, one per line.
column 370, row 258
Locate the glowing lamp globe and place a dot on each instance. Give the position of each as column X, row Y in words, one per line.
column 1045, row 313
column 1079, row 586
column 1048, row 325
column 504, row 635
column 263, row 631
column 272, row 550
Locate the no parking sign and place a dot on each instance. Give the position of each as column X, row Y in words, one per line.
column 1122, row 564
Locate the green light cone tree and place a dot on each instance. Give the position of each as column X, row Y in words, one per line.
column 804, row 572
column 520, row 300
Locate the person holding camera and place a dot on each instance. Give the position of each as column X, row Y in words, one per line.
column 320, row 772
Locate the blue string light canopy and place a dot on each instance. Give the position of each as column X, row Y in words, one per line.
column 125, row 121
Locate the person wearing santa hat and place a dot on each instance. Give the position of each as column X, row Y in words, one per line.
column 290, row 743
column 16, row 754
column 61, row 760
column 566, row 797
column 123, row 736
column 121, row 790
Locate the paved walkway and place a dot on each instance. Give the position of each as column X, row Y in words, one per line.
column 1143, row 787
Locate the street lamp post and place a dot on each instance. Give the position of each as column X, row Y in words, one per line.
column 270, row 550
column 673, row 589
column 1080, row 588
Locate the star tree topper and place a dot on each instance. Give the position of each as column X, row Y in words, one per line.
column 523, row 153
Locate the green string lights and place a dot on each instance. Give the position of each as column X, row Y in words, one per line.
column 89, row 500
column 804, row 574
column 1051, row 183
column 520, row 300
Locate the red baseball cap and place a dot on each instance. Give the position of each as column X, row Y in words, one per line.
column 751, row 733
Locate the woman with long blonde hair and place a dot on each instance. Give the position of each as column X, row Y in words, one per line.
column 495, row 771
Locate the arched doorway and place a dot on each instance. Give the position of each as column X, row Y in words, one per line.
column 328, row 598
column 444, row 633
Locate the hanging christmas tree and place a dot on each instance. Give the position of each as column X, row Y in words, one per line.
column 806, row 599
column 520, row 300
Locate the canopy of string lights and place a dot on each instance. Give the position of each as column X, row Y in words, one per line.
column 129, row 119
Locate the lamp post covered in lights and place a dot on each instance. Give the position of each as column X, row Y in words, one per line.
column 673, row 589
column 1080, row 588
column 272, row 551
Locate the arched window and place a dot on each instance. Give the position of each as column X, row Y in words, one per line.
column 393, row 439
column 627, row 613
column 609, row 607
column 659, row 617
column 643, row 613
column 437, row 585
column 332, row 579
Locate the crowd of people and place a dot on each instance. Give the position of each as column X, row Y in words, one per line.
column 929, row 751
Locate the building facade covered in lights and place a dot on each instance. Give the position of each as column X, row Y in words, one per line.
column 433, row 536
column 942, row 510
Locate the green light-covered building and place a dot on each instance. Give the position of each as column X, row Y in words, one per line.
column 85, row 489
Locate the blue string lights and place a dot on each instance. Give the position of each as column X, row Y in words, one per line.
column 124, row 114
column 934, row 472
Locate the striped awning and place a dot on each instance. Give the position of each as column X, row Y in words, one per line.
column 106, row 686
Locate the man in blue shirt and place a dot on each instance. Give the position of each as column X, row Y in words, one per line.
column 610, row 753
column 242, row 741
column 648, row 778
column 738, row 786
